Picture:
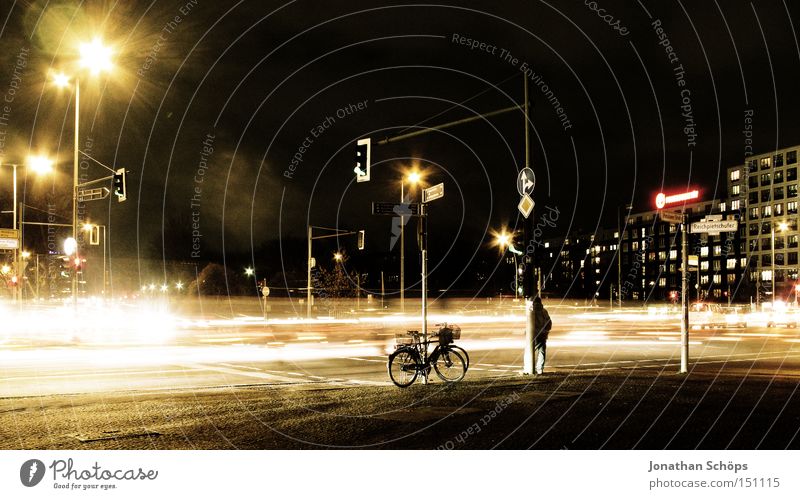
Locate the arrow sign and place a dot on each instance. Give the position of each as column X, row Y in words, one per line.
column 672, row 217
column 716, row 226
column 526, row 181
column 93, row 194
column 431, row 193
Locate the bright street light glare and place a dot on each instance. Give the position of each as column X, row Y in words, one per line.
column 70, row 245
column 249, row 271
column 5, row 269
column 87, row 227
column 179, row 285
column 40, row 164
column 414, row 177
column 502, row 239
column 783, row 226
column 60, row 80
column 337, row 256
column 25, row 254
column 95, row 56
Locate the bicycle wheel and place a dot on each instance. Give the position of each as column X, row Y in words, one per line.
column 450, row 366
column 461, row 352
column 402, row 367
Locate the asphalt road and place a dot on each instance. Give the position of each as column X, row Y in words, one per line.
column 68, row 390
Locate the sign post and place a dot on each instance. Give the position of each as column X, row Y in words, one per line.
column 680, row 218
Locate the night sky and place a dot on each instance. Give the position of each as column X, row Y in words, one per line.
column 209, row 102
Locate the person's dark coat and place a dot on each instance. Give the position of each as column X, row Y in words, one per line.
column 543, row 322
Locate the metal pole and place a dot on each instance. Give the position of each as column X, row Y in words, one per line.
column 383, row 290
column 104, row 259
column 424, row 222
column 529, row 290
column 684, row 298
column 308, row 277
column 402, row 250
column 619, row 261
column 773, row 266
column 75, row 189
column 14, row 224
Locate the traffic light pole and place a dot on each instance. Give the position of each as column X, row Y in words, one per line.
column 528, row 282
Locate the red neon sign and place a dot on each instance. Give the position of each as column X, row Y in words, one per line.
column 663, row 200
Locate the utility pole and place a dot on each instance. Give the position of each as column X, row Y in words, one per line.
column 402, row 250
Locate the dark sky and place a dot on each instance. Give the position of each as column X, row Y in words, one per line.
column 252, row 79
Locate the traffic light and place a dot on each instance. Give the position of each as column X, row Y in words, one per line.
column 361, row 235
column 362, row 160
column 120, row 188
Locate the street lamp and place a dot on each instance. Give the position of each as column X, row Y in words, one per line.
column 782, row 226
column 249, row 271
column 40, row 164
column 337, row 256
column 413, row 178
column 95, row 57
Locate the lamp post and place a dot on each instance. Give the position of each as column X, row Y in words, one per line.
column 782, row 227
column 41, row 165
column 95, row 57
column 412, row 179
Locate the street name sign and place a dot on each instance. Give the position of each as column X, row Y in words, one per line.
column 671, row 217
column 432, row 193
column 9, row 233
column 715, row 226
column 6, row 243
column 395, row 209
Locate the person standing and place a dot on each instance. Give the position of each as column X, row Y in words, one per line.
column 543, row 326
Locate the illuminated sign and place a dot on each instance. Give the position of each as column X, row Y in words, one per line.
column 663, row 200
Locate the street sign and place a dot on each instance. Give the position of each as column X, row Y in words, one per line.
column 93, row 194
column 9, row 233
column 432, row 193
column 526, row 205
column 265, row 291
column 672, row 217
column 395, row 209
column 715, row 226
column 9, row 243
column 526, row 181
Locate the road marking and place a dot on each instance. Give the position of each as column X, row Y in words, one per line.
column 87, row 375
column 240, row 367
column 249, row 374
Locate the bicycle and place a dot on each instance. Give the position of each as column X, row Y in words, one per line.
column 410, row 358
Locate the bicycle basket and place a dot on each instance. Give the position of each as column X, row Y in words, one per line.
column 448, row 334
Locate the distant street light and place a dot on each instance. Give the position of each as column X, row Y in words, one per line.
column 25, row 254
column 70, row 245
column 179, row 285
column 337, row 256
column 249, row 271
column 40, row 164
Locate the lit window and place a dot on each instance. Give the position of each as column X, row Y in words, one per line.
column 704, row 251
column 735, row 175
column 735, row 204
column 673, row 254
column 704, row 265
column 731, row 264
